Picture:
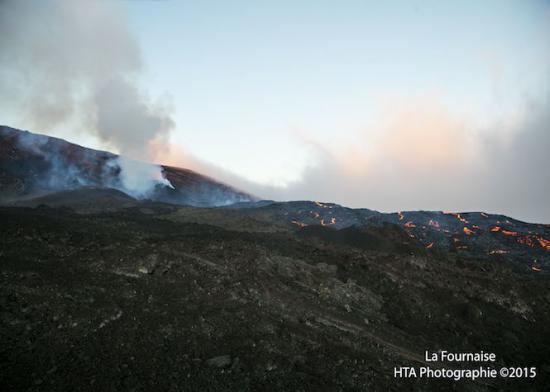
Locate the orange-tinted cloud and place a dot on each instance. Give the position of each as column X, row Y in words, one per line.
column 419, row 134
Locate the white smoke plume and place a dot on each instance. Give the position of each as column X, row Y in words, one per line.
column 138, row 178
column 64, row 61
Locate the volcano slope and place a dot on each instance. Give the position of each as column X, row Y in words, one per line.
column 34, row 165
column 152, row 296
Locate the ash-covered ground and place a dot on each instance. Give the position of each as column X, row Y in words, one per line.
column 145, row 296
column 107, row 288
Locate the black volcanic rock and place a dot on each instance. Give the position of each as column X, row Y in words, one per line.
column 140, row 299
column 100, row 290
column 84, row 200
column 477, row 234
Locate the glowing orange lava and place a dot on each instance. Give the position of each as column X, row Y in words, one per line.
column 467, row 231
column 298, row 223
column 544, row 243
column 511, row 233
column 457, row 216
column 332, row 222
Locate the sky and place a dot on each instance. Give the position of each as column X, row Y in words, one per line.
column 394, row 105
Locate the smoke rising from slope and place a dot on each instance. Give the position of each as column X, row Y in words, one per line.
column 125, row 120
column 75, row 60
column 423, row 157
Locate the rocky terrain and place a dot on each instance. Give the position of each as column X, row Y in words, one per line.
column 104, row 291
column 33, row 165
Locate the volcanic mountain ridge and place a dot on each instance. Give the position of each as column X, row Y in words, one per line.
column 197, row 286
column 40, row 170
column 33, row 165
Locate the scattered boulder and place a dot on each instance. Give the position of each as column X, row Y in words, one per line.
column 221, row 361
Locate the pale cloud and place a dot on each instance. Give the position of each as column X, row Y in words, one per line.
column 420, row 156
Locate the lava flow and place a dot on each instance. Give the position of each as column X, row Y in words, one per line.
column 332, row 222
column 457, row 216
column 467, row 231
column 544, row 243
column 298, row 223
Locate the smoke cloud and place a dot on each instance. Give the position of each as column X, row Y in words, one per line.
column 140, row 177
column 75, row 61
column 66, row 61
column 424, row 158
column 420, row 157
